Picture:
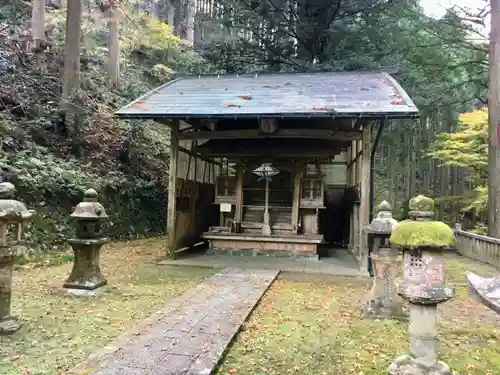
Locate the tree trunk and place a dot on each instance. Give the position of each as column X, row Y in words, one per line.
column 444, row 172
column 494, row 123
column 170, row 13
column 71, row 75
column 38, row 23
column 190, row 17
column 114, row 44
column 410, row 162
column 430, row 126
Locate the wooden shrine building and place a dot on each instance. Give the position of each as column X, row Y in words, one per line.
column 273, row 162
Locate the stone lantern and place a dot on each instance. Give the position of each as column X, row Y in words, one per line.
column 13, row 216
column 91, row 220
column 423, row 286
column 383, row 301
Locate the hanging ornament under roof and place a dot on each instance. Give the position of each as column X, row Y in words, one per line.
column 265, row 172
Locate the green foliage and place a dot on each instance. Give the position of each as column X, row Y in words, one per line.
column 467, row 147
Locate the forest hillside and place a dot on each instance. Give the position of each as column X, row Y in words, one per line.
column 126, row 161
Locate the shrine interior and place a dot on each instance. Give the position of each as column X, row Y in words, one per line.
column 306, row 197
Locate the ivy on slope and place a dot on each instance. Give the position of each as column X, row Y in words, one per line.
column 126, row 161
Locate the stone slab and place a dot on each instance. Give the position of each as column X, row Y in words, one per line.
column 342, row 264
column 188, row 336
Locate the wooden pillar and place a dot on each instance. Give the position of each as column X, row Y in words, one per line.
column 353, row 232
column 296, row 199
column 364, row 208
column 359, row 146
column 172, row 189
column 355, row 229
column 238, row 210
column 196, row 161
column 354, row 168
column 349, row 166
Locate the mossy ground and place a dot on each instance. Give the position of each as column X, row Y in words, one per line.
column 313, row 328
column 301, row 326
column 60, row 331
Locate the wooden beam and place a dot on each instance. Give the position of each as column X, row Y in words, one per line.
column 335, row 135
column 172, row 189
column 274, row 154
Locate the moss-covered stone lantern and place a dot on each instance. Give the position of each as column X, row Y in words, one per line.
column 13, row 216
column 91, row 220
column 383, row 302
column 423, row 241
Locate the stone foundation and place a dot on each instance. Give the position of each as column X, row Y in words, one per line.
column 406, row 365
column 262, row 245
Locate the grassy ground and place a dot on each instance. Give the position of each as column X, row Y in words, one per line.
column 316, row 329
column 59, row 330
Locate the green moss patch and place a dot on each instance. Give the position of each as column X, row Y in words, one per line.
column 412, row 233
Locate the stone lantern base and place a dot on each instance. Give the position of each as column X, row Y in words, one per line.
column 406, row 365
column 9, row 325
column 86, row 273
column 383, row 301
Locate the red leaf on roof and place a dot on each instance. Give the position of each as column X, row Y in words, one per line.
column 138, row 104
column 320, row 108
column 246, row 97
column 230, row 105
column 398, row 102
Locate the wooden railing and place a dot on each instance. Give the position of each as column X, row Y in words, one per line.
column 477, row 247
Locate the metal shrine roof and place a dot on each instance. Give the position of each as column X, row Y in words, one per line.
column 281, row 95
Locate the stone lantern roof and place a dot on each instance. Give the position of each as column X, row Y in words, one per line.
column 12, row 210
column 90, row 208
column 383, row 223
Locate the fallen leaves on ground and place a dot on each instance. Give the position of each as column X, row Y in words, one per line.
column 313, row 328
column 59, row 330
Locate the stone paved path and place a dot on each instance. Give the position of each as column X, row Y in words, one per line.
column 190, row 335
